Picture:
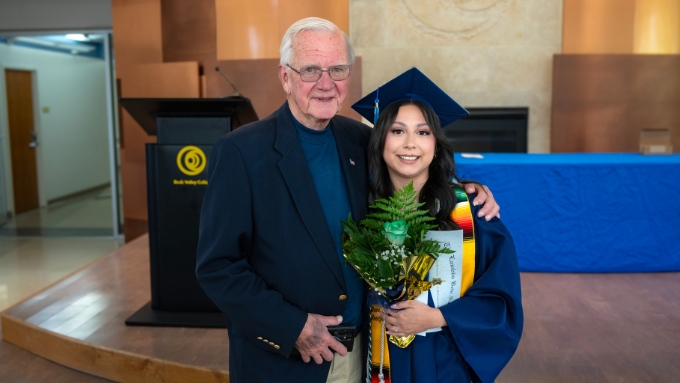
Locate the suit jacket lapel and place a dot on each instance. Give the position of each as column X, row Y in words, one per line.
column 353, row 165
column 300, row 184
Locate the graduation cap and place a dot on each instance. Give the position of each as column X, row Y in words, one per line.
column 410, row 85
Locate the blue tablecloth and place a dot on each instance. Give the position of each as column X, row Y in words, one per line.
column 586, row 212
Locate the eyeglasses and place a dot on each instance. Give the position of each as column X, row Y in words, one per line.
column 313, row 73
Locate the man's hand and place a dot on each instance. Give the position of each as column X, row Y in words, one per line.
column 484, row 197
column 315, row 342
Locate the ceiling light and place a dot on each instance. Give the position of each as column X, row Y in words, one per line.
column 77, row 37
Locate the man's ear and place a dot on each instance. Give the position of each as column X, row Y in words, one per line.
column 283, row 77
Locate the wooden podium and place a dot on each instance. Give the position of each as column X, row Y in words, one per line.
column 176, row 182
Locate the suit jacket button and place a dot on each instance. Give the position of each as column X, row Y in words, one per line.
column 276, row 346
column 271, row 343
column 264, row 340
column 259, row 338
column 343, row 297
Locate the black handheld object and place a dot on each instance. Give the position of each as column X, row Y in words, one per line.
column 344, row 335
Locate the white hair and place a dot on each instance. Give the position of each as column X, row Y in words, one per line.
column 313, row 24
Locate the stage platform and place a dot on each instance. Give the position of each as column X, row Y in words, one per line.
column 80, row 323
column 578, row 328
column 18, row 365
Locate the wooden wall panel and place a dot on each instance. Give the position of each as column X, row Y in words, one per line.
column 189, row 30
column 621, row 26
column 600, row 26
column 152, row 80
column 247, row 29
column 137, row 31
column 291, row 11
column 601, row 102
column 138, row 49
column 657, row 26
column 147, row 80
column 253, row 29
column 258, row 80
column 354, row 92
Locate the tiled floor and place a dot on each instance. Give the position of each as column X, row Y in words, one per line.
column 39, row 247
column 85, row 215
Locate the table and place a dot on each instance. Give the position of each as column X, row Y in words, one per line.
column 586, row 212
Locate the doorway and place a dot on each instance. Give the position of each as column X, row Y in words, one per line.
column 65, row 182
column 22, row 139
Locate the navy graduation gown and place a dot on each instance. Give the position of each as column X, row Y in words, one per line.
column 484, row 325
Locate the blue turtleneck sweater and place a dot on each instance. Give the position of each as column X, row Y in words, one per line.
column 324, row 164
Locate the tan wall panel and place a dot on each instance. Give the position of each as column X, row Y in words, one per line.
column 189, row 30
column 291, row 11
column 137, row 31
column 137, row 38
column 598, row 26
column 354, row 93
column 256, row 79
column 133, row 179
column 657, row 27
column 167, row 80
column 253, row 29
column 179, row 79
column 601, row 102
column 135, row 139
column 247, row 29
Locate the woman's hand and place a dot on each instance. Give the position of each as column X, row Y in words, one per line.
column 484, row 197
column 413, row 317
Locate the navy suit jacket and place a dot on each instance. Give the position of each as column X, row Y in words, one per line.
column 265, row 254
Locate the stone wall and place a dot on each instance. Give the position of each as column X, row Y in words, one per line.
column 482, row 52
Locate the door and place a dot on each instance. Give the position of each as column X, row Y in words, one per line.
column 22, row 140
column 3, row 197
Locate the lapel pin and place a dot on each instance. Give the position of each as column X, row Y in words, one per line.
column 351, row 162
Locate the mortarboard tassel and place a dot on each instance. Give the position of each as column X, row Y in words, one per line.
column 376, row 109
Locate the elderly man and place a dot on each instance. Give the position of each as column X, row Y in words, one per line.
column 269, row 252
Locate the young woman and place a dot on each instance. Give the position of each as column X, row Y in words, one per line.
column 480, row 329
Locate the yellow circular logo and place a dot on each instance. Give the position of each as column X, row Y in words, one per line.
column 191, row 160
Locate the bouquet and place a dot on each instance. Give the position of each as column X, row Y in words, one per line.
column 390, row 252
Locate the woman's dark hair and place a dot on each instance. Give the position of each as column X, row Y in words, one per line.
column 441, row 171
